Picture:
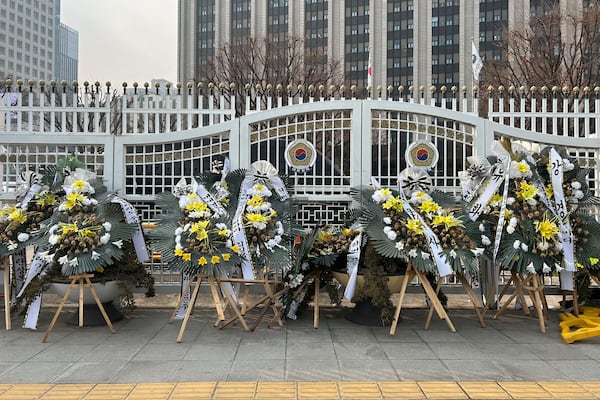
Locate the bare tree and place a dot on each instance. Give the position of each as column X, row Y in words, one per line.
column 554, row 48
column 261, row 61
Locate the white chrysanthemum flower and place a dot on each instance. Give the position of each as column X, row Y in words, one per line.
column 53, row 229
column 576, row 185
column 531, row 269
column 179, row 230
column 387, row 220
column 510, row 229
column 517, row 244
column 520, row 169
column 118, row 243
column 73, row 262
column 104, row 239
column 391, row 235
column 63, row 260
column 558, row 267
column 524, row 247
column 481, row 228
column 568, row 165
column 485, row 240
column 400, row 245
column 425, row 256
column 513, row 221
column 53, row 239
column 270, row 244
column 532, row 202
column 387, row 229
column 107, row 226
column 578, row 194
column 510, row 201
column 546, row 268
column 381, row 195
column 95, row 255
column 543, row 246
column 221, row 226
column 452, row 253
column 478, row 251
column 412, row 253
column 23, row 237
column 12, row 245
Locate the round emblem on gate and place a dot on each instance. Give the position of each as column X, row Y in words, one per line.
column 300, row 155
column 421, row 154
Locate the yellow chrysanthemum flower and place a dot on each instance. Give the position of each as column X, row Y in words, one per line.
column 199, row 226
column 594, row 260
column 547, row 228
column 178, row 252
column 579, row 265
column 260, row 187
column 67, row 228
column 324, row 236
column 235, row 248
column 100, row 269
column 226, row 256
column 385, row 192
column 256, row 201
column 273, row 213
column 202, row 235
column 186, row 257
column 18, row 215
column 415, row 226
column 198, row 206
column 46, row 199
column 429, row 206
column 256, row 218
column 79, row 184
column 223, row 232
column 393, row 203
column 73, row 200
column 449, row 221
column 215, row 260
column 523, row 167
column 527, row 191
column 496, row 198
column 202, row 261
column 347, row 231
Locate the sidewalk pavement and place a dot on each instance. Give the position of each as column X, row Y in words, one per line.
column 144, row 350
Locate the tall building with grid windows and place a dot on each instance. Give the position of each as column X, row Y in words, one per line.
column 33, row 42
column 424, row 42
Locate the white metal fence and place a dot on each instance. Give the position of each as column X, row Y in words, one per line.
column 142, row 141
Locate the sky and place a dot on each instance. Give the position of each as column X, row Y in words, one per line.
column 124, row 40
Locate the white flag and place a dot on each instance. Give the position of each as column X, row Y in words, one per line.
column 370, row 71
column 477, row 62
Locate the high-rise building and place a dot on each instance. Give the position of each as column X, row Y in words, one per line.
column 30, row 45
column 67, row 54
column 425, row 42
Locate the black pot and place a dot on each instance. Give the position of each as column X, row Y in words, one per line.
column 365, row 313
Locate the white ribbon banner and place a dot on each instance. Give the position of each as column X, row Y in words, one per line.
column 131, row 217
column 493, row 183
column 352, row 266
column 566, row 234
column 443, row 267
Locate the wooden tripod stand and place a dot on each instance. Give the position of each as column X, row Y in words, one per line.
column 80, row 281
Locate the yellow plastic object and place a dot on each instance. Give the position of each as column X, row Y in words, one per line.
column 587, row 324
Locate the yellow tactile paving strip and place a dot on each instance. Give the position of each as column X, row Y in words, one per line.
column 303, row 390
